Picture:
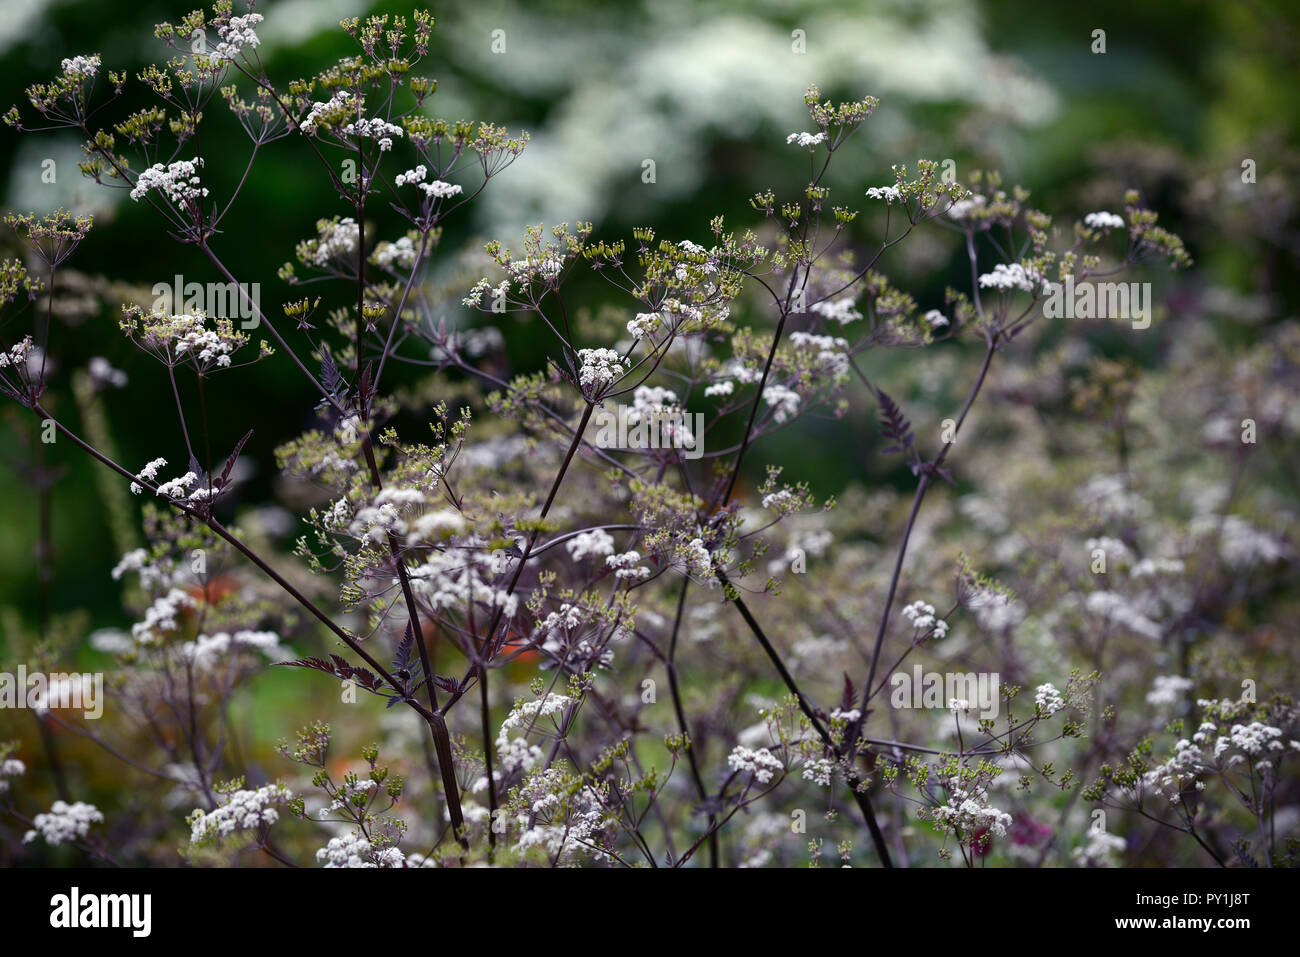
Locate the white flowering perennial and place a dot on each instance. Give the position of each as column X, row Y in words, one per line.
column 1103, row 220
column 762, row 764
column 179, row 181
column 81, row 67
column 808, row 140
column 841, row 310
column 923, row 618
column 236, row 35
column 599, row 368
column 890, row 194
column 206, row 650
column 1048, row 700
column 625, row 566
column 1100, row 849
column 819, row 771
column 434, row 190
column 1167, row 689
column 936, row 319
column 1014, row 276
column 644, row 324
column 16, row 357
column 968, row 812
column 597, row 543
column 783, row 400
column 64, row 822
column 160, row 617
column 10, row 768
column 243, row 810
column 355, row 850
column 832, row 351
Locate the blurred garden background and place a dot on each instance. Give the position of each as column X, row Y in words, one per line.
column 1182, row 96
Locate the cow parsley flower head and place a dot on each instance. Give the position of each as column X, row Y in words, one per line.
column 236, row 35
column 64, row 822
column 1103, row 220
column 81, row 67
column 599, row 368
column 1014, row 276
column 241, row 810
column 809, row 140
column 179, row 181
column 763, row 764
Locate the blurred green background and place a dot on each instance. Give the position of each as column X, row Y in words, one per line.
column 708, row 90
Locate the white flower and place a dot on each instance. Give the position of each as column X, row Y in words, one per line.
column 81, row 67
column 936, row 319
column 1167, row 689
column 178, row 180
column 763, row 764
column 809, row 140
column 242, row 810
column 785, row 400
column 236, row 35
column 1048, row 699
column 644, row 324
column 726, row 387
column 599, row 368
column 819, row 771
column 841, row 310
column 890, row 194
column 64, row 822
column 440, row 190
column 597, row 542
column 1103, row 220
column 1100, row 849
column 1014, row 276
column 10, row 768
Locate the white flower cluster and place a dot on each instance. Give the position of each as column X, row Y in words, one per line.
column 376, row 129
column 205, row 650
column 597, row 543
column 890, row 194
column 355, row 850
column 936, row 319
column 244, row 810
column 832, row 352
column 1100, row 849
column 923, row 618
column 819, row 771
column 178, row 180
column 726, row 387
column 1014, row 276
column 1252, row 738
column 963, row 207
column 644, row 324
column 840, row 310
column 566, row 823
column 103, row 373
column 784, row 400
column 625, row 566
column 336, row 240
column 970, row 812
column 436, row 189
column 81, row 67
column 400, row 254
column 763, row 764
column 1167, row 689
column 1048, row 699
column 236, row 35
column 452, row 579
column 10, row 768
column 160, row 617
column 1103, row 220
column 600, row 367
column 807, row 139
column 64, row 822
column 17, row 354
